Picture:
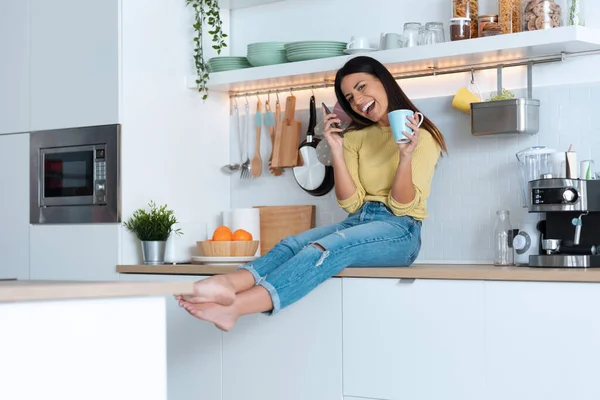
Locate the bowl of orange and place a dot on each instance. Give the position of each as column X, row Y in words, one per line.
column 225, row 243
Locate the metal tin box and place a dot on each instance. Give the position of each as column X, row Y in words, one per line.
column 520, row 116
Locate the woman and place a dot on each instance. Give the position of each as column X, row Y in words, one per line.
column 382, row 185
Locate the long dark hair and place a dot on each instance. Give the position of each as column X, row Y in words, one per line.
column 397, row 100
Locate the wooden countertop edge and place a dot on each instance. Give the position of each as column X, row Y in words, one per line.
column 16, row 291
column 416, row 271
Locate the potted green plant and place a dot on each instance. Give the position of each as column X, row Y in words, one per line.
column 505, row 94
column 206, row 10
column 153, row 228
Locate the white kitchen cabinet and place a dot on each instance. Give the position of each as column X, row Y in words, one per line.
column 14, row 206
column 74, row 63
column 85, row 252
column 193, row 348
column 542, row 340
column 75, row 349
column 413, row 339
column 293, row 355
column 14, row 68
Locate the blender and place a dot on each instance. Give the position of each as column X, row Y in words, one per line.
column 533, row 163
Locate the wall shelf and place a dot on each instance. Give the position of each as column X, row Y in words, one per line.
column 481, row 53
column 237, row 4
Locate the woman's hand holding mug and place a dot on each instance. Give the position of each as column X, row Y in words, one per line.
column 407, row 139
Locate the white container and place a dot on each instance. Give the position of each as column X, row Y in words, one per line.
column 572, row 165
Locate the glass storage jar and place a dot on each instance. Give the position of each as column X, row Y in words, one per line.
column 543, row 14
column 576, row 12
column 467, row 9
column 510, row 16
column 492, row 29
column 460, row 29
column 483, row 20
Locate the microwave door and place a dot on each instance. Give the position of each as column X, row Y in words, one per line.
column 67, row 176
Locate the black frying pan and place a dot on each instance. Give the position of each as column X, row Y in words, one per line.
column 313, row 177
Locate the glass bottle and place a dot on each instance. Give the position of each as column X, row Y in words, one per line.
column 502, row 241
column 576, row 12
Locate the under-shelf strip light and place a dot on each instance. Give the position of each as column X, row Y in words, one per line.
column 431, row 71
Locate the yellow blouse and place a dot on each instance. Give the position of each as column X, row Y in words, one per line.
column 372, row 157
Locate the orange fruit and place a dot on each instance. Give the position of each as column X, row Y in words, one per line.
column 241, row 234
column 222, row 233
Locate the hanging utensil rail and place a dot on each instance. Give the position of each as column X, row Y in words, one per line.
column 430, row 71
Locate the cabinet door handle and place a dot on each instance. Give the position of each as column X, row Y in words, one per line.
column 406, row 281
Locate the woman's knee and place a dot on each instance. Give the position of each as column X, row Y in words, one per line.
column 292, row 243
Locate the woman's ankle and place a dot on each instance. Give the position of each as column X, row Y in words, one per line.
column 240, row 280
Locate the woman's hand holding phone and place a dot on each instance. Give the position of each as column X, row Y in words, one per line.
column 332, row 130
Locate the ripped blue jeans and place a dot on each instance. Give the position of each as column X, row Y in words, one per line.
column 371, row 237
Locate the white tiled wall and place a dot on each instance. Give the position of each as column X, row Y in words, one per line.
column 478, row 177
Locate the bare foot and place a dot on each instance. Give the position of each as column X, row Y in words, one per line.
column 216, row 289
column 224, row 317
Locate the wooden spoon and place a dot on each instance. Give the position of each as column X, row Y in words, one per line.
column 256, row 160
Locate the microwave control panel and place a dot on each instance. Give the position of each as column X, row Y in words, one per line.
column 100, row 174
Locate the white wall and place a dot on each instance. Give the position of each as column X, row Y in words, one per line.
column 173, row 142
column 479, row 176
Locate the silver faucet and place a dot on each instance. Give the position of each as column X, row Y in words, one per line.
column 577, row 222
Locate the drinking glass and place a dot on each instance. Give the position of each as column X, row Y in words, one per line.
column 411, row 34
column 438, row 28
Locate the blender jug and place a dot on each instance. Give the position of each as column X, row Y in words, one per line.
column 533, row 163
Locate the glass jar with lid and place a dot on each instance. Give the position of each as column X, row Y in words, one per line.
column 484, row 20
column 460, row 29
column 467, row 9
column 510, row 16
column 543, row 14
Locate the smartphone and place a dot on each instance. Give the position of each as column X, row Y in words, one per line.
column 335, row 125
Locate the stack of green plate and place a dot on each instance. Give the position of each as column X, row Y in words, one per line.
column 266, row 53
column 313, row 49
column 227, row 63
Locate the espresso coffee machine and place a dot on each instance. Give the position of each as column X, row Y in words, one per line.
column 571, row 230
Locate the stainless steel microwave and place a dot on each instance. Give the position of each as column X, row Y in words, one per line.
column 75, row 175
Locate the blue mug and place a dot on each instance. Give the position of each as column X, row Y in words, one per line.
column 398, row 120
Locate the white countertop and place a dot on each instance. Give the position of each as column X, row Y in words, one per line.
column 15, row 290
column 483, row 272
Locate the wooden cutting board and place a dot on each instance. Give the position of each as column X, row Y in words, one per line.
column 287, row 138
column 278, row 222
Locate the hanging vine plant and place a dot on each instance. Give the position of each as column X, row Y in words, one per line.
column 206, row 11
